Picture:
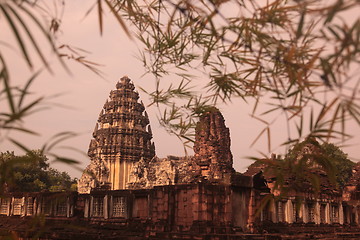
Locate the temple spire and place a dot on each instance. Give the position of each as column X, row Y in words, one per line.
column 121, row 138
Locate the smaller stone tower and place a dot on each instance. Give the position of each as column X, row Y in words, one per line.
column 212, row 147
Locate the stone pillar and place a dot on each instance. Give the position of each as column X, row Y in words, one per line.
column 23, row 207
column 111, row 174
column 317, row 212
column 346, row 218
column 273, row 211
column 91, row 203
column 289, row 211
column 39, row 205
column 341, row 213
column 8, row 208
column 87, row 208
column 35, row 206
column 106, row 207
column 12, row 206
column 327, row 213
column 118, row 174
column 304, row 212
column 68, row 207
column 251, row 210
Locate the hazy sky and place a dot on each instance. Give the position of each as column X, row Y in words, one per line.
column 84, row 93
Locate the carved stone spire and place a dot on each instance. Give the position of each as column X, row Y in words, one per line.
column 120, row 139
column 212, row 147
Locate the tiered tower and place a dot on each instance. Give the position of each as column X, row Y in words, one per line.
column 212, row 147
column 122, row 137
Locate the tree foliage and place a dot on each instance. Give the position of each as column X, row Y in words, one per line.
column 342, row 164
column 31, row 173
column 309, row 166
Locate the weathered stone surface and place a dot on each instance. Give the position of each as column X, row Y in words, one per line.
column 121, row 138
column 212, row 161
column 212, row 147
column 95, row 174
column 355, row 178
column 162, row 171
column 351, row 191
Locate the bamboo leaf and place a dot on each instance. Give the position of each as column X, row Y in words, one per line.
column 45, row 34
column 10, row 97
column 118, row 18
column 20, row 145
column 258, row 136
column 269, row 139
column 301, row 24
column 30, row 36
column 24, row 91
column 100, row 13
column 56, row 139
column 65, row 160
column 20, row 130
column 10, row 21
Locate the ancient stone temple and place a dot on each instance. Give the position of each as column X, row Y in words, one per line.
column 121, row 138
column 123, row 157
column 127, row 192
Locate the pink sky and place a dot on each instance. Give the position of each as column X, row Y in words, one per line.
column 84, row 94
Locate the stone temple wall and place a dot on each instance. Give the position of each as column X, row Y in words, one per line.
column 200, row 210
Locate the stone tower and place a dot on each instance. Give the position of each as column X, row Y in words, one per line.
column 122, row 137
column 212, row 147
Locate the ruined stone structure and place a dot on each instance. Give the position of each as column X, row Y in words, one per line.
column 162, row 171
column 212, row 147
column 212, row 161
column 121, row 138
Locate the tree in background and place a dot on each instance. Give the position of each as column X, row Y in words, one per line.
column 31, row 173
column 307, row 166
column 342, row 164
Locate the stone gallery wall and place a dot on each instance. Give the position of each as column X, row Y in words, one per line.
column 195, row 207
